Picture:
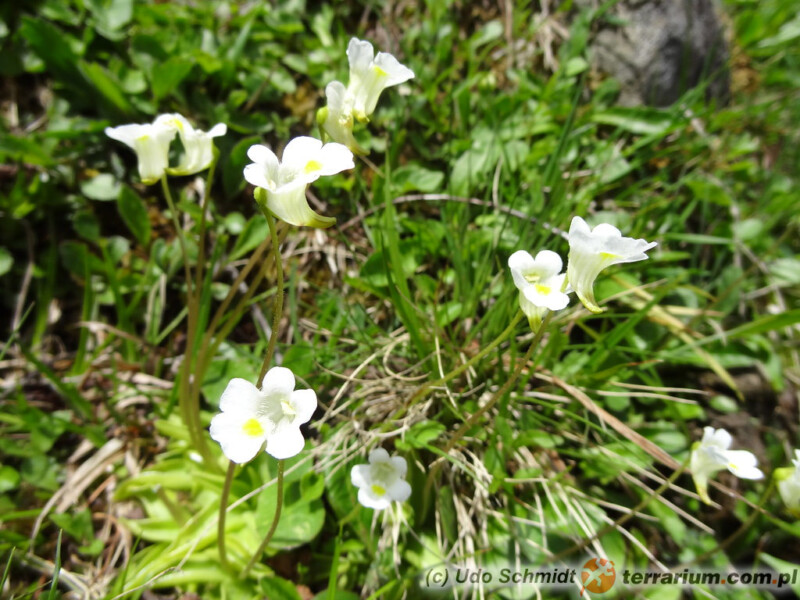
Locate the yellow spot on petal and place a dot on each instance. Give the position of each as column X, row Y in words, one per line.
column 378, row 489
column 379, row 72
column 312, row 165
column 253, row 428
column 608, row 256
column 143, row 138
column 544, row 290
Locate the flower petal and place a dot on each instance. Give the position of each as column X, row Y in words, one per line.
column 299, row 152
column 278, row 381
column 286, row 442
column 743, row 464
column 289, row 204
column 378, row 455
column 256, row 175
column 334, row 158
column 371, row 500
column 262, row 155
column 240, row 398
column 226, row 428
column 719, row 438
column 548, row 263
column 400, row 465
column 126, row 133
column 359, row 475
column 359, row 55
column 218, row 130
column 304, row 403
column 396, row 72
column 400, row 490
column 520, row 263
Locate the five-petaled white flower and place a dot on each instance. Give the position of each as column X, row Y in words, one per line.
column 540, row 283
column 370, row 75
column 198, row 147
column 788, row 479
column 382, row 480
column 151, row 142
column 284, row 183
column 272, row 414
column 712, row 454
column 592, row 250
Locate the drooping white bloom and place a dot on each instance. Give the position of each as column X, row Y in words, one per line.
column 336, row 119
column 592, row 250
column 712, row 454
column 198, row 147
column 788, row 479
column 382, row 480
column 151, row 142
column 370, row 75
column 540, row 283
column 272, row 414
column 305, row 159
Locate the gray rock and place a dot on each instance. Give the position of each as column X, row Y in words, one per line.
column 658, row 49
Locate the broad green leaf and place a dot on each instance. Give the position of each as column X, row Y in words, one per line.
column 646, row 121
column 110, row 89
column 133, row 211
column 101, row 187
column 6, row 261
column 277, row 588
column 168, row 75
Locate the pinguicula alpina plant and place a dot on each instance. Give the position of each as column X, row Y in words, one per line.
column 253, row 417
column 541, row 284
column 712, row 454
column 592, row 250
column 370, row 74
column 268, row 414
column 281, row 185
column 382, row 481
column 151, row 142
column 543, row 288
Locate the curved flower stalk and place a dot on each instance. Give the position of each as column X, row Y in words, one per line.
column 592, row 250
column 198, row 146
column 151, row 143
column 788, row 479
column 283, row 183
column 540, row 284
column 382, row 480
column 712, row 454
column 272, row 414
column 370, row 74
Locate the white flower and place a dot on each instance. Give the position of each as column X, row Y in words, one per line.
column 788, row 479
column 198, row 147
column 540, row 283
column 370, row 75
column 592, row 250
column 305, row 160
column 336, row 119
column 382, row 480
column 272, row 414
column 711, row 454
column 151, row 142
